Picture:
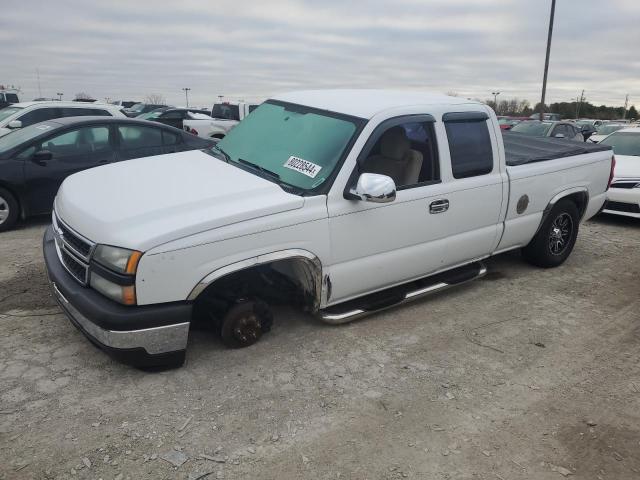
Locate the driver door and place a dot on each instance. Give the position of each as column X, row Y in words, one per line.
column 71, row 151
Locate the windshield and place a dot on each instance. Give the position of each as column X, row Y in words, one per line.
column 296, row 145
column 16, row 137
column 8, row 111
column 624, row 143
column 138, row 107
column 534, row 129
column 607, row 129
column 150, row 115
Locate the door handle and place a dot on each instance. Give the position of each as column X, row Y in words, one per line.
column 439, row 206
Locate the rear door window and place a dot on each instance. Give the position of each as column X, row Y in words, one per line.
column 469, row 144
column 138, row 141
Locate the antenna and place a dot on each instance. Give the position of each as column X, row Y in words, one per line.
column 39, row 89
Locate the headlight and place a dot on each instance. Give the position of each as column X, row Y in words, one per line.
column 120, row 260
column 125, row 294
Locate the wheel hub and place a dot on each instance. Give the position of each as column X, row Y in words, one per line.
column 560, row 235
column 247, row 329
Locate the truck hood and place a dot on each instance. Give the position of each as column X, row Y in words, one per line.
column 627, row 166
column 143, row 203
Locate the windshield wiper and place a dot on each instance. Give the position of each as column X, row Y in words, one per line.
column 264, row 171
column 225, row 155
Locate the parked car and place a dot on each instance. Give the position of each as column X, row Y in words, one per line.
column 536, row 128
column 36, row 159
column 342, row 202
column 554, row 117
column 507, row 123
column 225, row 116
column 8, row 97
column 624, row 196
column 124, row 103
column 176, row 116
column 22, row 115
column 140, row 108
column 604, row 130
column 589, row 121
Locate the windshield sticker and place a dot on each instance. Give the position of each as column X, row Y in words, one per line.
column 43, row 127
column 304, row 167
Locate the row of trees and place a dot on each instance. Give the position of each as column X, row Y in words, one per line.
column 522, row 108
column 153, row 98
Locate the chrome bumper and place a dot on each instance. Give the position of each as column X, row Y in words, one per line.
column 154, row 341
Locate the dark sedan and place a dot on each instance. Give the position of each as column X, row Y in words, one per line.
column 36, row 159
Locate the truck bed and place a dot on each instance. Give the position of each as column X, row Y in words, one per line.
column 522, row 149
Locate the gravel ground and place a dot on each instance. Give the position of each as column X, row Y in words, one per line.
column 525, row 374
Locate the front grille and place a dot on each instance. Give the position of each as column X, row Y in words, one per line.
column 622, row 207
column 74, row 241
column 626, row 184
column 74, row 250
column 74, row 267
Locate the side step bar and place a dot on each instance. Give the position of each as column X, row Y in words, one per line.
column 376, row 302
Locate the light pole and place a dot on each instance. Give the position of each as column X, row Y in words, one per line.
column 186, row 95
column 495, row 99
column 546, row 61
column 59, row 96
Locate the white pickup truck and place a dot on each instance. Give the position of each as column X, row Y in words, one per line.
column 342, row 202
column 225, row 116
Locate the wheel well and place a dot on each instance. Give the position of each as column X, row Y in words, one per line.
column 17, row 197
column 580, row 199
column 287, row 281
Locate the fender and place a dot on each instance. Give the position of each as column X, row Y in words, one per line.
column 310, row 260
column 559, row 196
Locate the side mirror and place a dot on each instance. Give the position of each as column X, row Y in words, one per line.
column 372, row 187
column 42, row 156
column 559, row 135
column 14, row 124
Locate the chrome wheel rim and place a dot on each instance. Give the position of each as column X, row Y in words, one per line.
column 4, row 210
column 560, row 235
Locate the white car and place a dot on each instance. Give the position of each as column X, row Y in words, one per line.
column 604, row 130
column 24, row 114
column 623, row 198
column 341, row 202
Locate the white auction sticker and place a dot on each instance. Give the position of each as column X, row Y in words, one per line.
column 304, row 167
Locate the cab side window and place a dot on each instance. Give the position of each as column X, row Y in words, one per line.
column 406, row 152
column 469, row 143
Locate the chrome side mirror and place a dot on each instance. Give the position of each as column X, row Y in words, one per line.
column 372, row 187
column 14, row 124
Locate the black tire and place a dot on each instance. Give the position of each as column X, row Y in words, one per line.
column 554, row 242
column 244, row 323
column 8, row 210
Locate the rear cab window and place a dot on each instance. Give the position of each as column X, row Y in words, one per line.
column 469, row 143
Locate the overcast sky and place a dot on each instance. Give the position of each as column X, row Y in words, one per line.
column 253, row 49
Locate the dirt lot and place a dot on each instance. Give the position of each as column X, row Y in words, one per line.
column 527, row 373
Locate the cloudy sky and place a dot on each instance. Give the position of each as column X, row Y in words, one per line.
column 253, row 49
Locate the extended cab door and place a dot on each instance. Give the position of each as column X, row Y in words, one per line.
column 446, row 211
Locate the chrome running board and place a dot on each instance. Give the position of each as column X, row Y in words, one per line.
column 379, row 301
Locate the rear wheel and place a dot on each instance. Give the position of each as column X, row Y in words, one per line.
column 8, row 210
column 554, row 242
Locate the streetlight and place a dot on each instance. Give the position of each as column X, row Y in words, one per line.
column 186, row 95
column 546, row 61
column 495, row 99
column 59, row 96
